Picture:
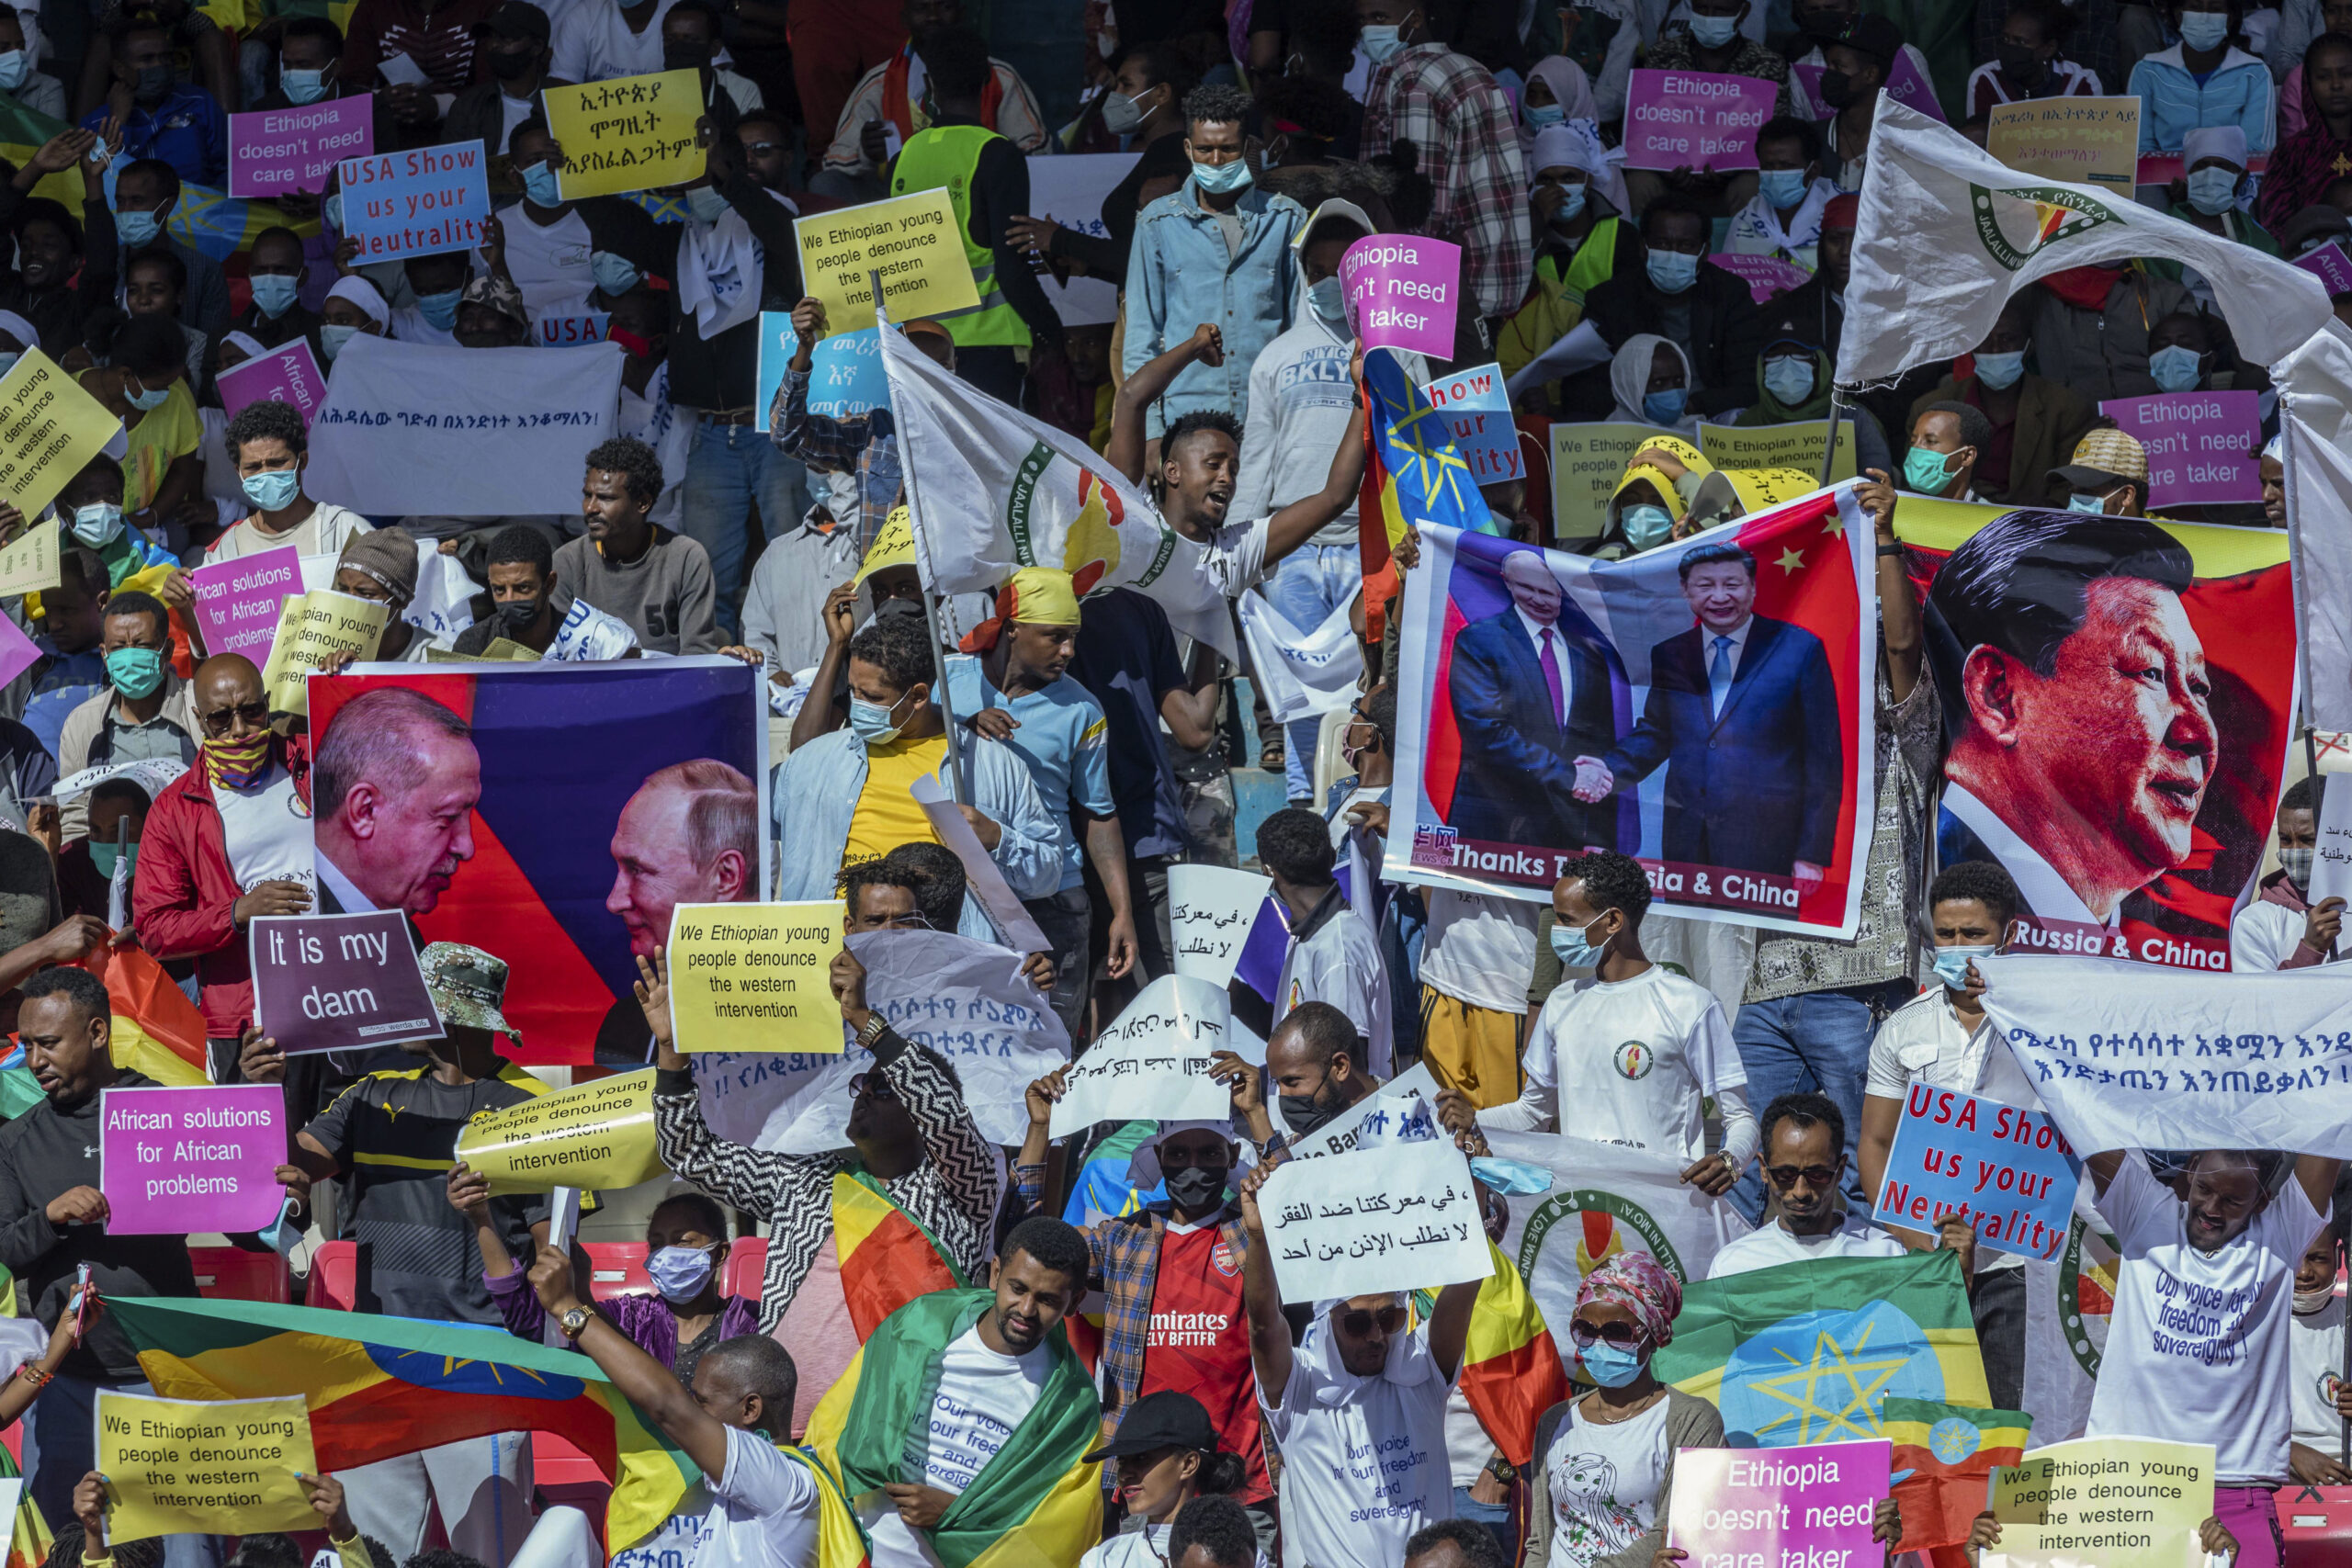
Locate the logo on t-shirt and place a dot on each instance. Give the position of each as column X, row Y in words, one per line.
column 2328, row 1383
column 1634, row 1059
column 1227, row 1265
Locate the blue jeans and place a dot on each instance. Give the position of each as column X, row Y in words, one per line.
column 730, row 467
column 1495, row 1517
column 61, row 1437
column 1309, row 585
column 1816, row 1042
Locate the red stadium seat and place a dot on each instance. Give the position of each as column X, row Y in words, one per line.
column 746, row 1264
column 335, row 1276
column 230, row 1273
column 618, row 1268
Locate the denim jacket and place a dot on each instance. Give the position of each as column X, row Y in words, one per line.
column 814, row 795
column 1180, row 274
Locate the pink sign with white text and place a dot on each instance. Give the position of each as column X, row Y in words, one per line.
column 1404, row 292
column 177, row 1160
column 2204, row 448
column 287, row 374
column 1695, row 119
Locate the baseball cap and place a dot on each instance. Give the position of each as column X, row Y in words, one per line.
column 2103, row 460
column 1874, row 36
column 1164, row 1420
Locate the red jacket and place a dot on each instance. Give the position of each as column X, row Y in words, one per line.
column 182, row 892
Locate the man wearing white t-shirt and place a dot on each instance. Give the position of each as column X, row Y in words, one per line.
column 2197, row 1349
column 1359, row 1410
column 735, row 1422
column 1637, row 1049
column 1805, row 1164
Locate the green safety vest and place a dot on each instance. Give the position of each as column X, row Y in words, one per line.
column 942, row 158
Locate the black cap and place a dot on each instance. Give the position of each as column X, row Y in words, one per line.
column 1164, row 1420
column 518, row 19
column 1874, row 36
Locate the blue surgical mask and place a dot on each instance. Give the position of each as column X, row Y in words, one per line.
column 2175, row 368
column 1327, row 299
column 705, row 205
column 614, row 275
column 2087, row 500
column 440, row 310
column 15, row 66
column 135, row 672
column 1666, row 408
column 1610, row 1366
column 137, row 227
column 1926, row 472
column 333, row 335
column 1673, row 272
column 2213, row 191
column 1221, row 179
column 149, row 397
column 332, row 211
column 1575, row 953
column 541, row 186
column 2204, row 29
column 1646, row 527
column 303, row 86
column 273, row 490
column 680, row 1272
column 1714, row 32
column 1535, row 116
column 1571, row 201
column 871, row 722
column 1789, row 377
column 275, row 292
column 2000, row 371
column 1783, row 188
column 98, row 525
column 1380, row 43
column 1951, row 964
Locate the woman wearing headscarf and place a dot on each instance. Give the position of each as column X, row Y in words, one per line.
column 1604, row 1459
column 1580, row 240
column 1793, row 385
column 1652, row 498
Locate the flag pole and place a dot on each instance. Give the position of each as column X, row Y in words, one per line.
column 2302, row 645
column 1829, row 447
column 959, row 782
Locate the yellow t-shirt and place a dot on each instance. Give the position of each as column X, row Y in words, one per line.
column 886, row 814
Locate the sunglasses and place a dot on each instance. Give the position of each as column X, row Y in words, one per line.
column 1358, row 1323
column 255, row 714
column 1785, row 1176
column 1582, row 1333
column 874, row 1086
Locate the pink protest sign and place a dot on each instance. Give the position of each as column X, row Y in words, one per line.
column 287, row 374
column 1695, row 119
column 1403, row 292
column 1813, row 1504
column 237, row 602
column 274, row 150
column 2204, row 448
column 175, row 1160
column 17, row 653
column 2330, row 266
column 1765, row 277
column 1477, row 410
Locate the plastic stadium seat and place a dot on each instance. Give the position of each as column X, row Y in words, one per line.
column 335, row 1276
column 230, row 1273
column 747, row 1265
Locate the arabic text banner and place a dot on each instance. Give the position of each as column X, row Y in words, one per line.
column 1704, row 708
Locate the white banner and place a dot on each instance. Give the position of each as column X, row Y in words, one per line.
column 1306, row 674
column 1154, row 1062
column 2316, row 416
column 1399, row 1217
column 1605, row 1199
column 2133, row 1057
column 1069, row 190
column 412, row 428
column 965, row 999
column 1370, row 1121
column 1211, row 909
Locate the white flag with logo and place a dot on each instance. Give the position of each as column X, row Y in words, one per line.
column 992, row 490
column 2315, row 415
column 1306, row 674
column 1946, row 235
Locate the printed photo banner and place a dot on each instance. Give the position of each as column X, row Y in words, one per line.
column 1732, row 777
column 567, row 791
column 2176, row 770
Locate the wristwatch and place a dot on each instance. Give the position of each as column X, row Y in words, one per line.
column 1893, row 549
column 872, row 1031
column 572, row 1322
column 1502, row 1470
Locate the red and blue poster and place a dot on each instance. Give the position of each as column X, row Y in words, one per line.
column 551, row 815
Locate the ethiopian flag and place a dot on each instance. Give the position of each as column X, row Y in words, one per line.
column 379, row 1387
column 1805, row 1352
column 1945, row 1455
column 1036, row 1502
column 1511, row 1371
column 157, row 1031
column 887, row 1259
column 29, row 1539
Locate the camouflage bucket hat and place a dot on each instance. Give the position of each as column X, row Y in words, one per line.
column 468, row 985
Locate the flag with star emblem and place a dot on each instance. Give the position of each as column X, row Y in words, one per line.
column 1808, row 1352
column 1944, row 1459
column 1414, row 467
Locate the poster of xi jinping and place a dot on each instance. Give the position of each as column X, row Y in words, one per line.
column 1702, row 706
column 552, row 814
column 2118, row 696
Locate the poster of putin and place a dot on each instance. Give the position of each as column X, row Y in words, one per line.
column 552, row 814
column 2118, row 697
column 1703, row 706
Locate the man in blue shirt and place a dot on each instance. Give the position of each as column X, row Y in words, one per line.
column 1016, row 691
column 182, row 125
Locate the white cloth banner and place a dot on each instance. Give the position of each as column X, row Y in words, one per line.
column 1401, row 1216
column 1154, row 1062
column 1306, row 674
column 1605, row 1199
column 965, row 999
column 1211, row 909
column 1069, row 190
column 409, row 428
column 992, row 490
column 2132, row 1055
column 1946, row 235
column 2315, row 415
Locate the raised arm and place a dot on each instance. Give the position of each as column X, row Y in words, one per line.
column 1295, row 523
column 1899, row 607
column 646, row 1384
column 760, row 1184
column 1270, row 1349
column 1125, row 451
column 2318, row 1176
column 1450, row 1325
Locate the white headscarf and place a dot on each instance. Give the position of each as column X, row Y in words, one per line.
column 362, row 293
column 2226, row 142
column 1629, row 378
column 1410, row 1360
column 1578, row 145
column 20, row 329
column 1143, row 1167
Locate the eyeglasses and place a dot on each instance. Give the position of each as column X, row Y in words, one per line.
column 255, row 713
column 762, row 149
column 874, row 1086
column 1785, row 1176
column 1358, row 1323
column 1582, row 1333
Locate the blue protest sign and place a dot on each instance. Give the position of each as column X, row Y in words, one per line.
column 845, row 374
column 2007, row 1169
column 417, row 203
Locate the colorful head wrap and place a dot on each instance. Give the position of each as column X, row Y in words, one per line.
column 1036, row 595
column 1640, row 1283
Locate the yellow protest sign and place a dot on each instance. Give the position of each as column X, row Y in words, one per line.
column 593, row 1135
column 2107, row 1500
column 630, row 133
column 1796, row 447
column 2093, row 141
column 198, row 1467
column 755, row 976
column 30, row 562
column 49, row 429
column 909, row 240
column 313, row 627
column 1587, row 462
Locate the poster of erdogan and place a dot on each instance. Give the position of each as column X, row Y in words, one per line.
column 552, row 814
column 1703, row 706
column 2117, row 694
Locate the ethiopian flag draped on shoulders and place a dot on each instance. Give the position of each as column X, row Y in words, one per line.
column 379, row 1387
column 887, row 1259
column 1944, row 1459
column 1036, row 1505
